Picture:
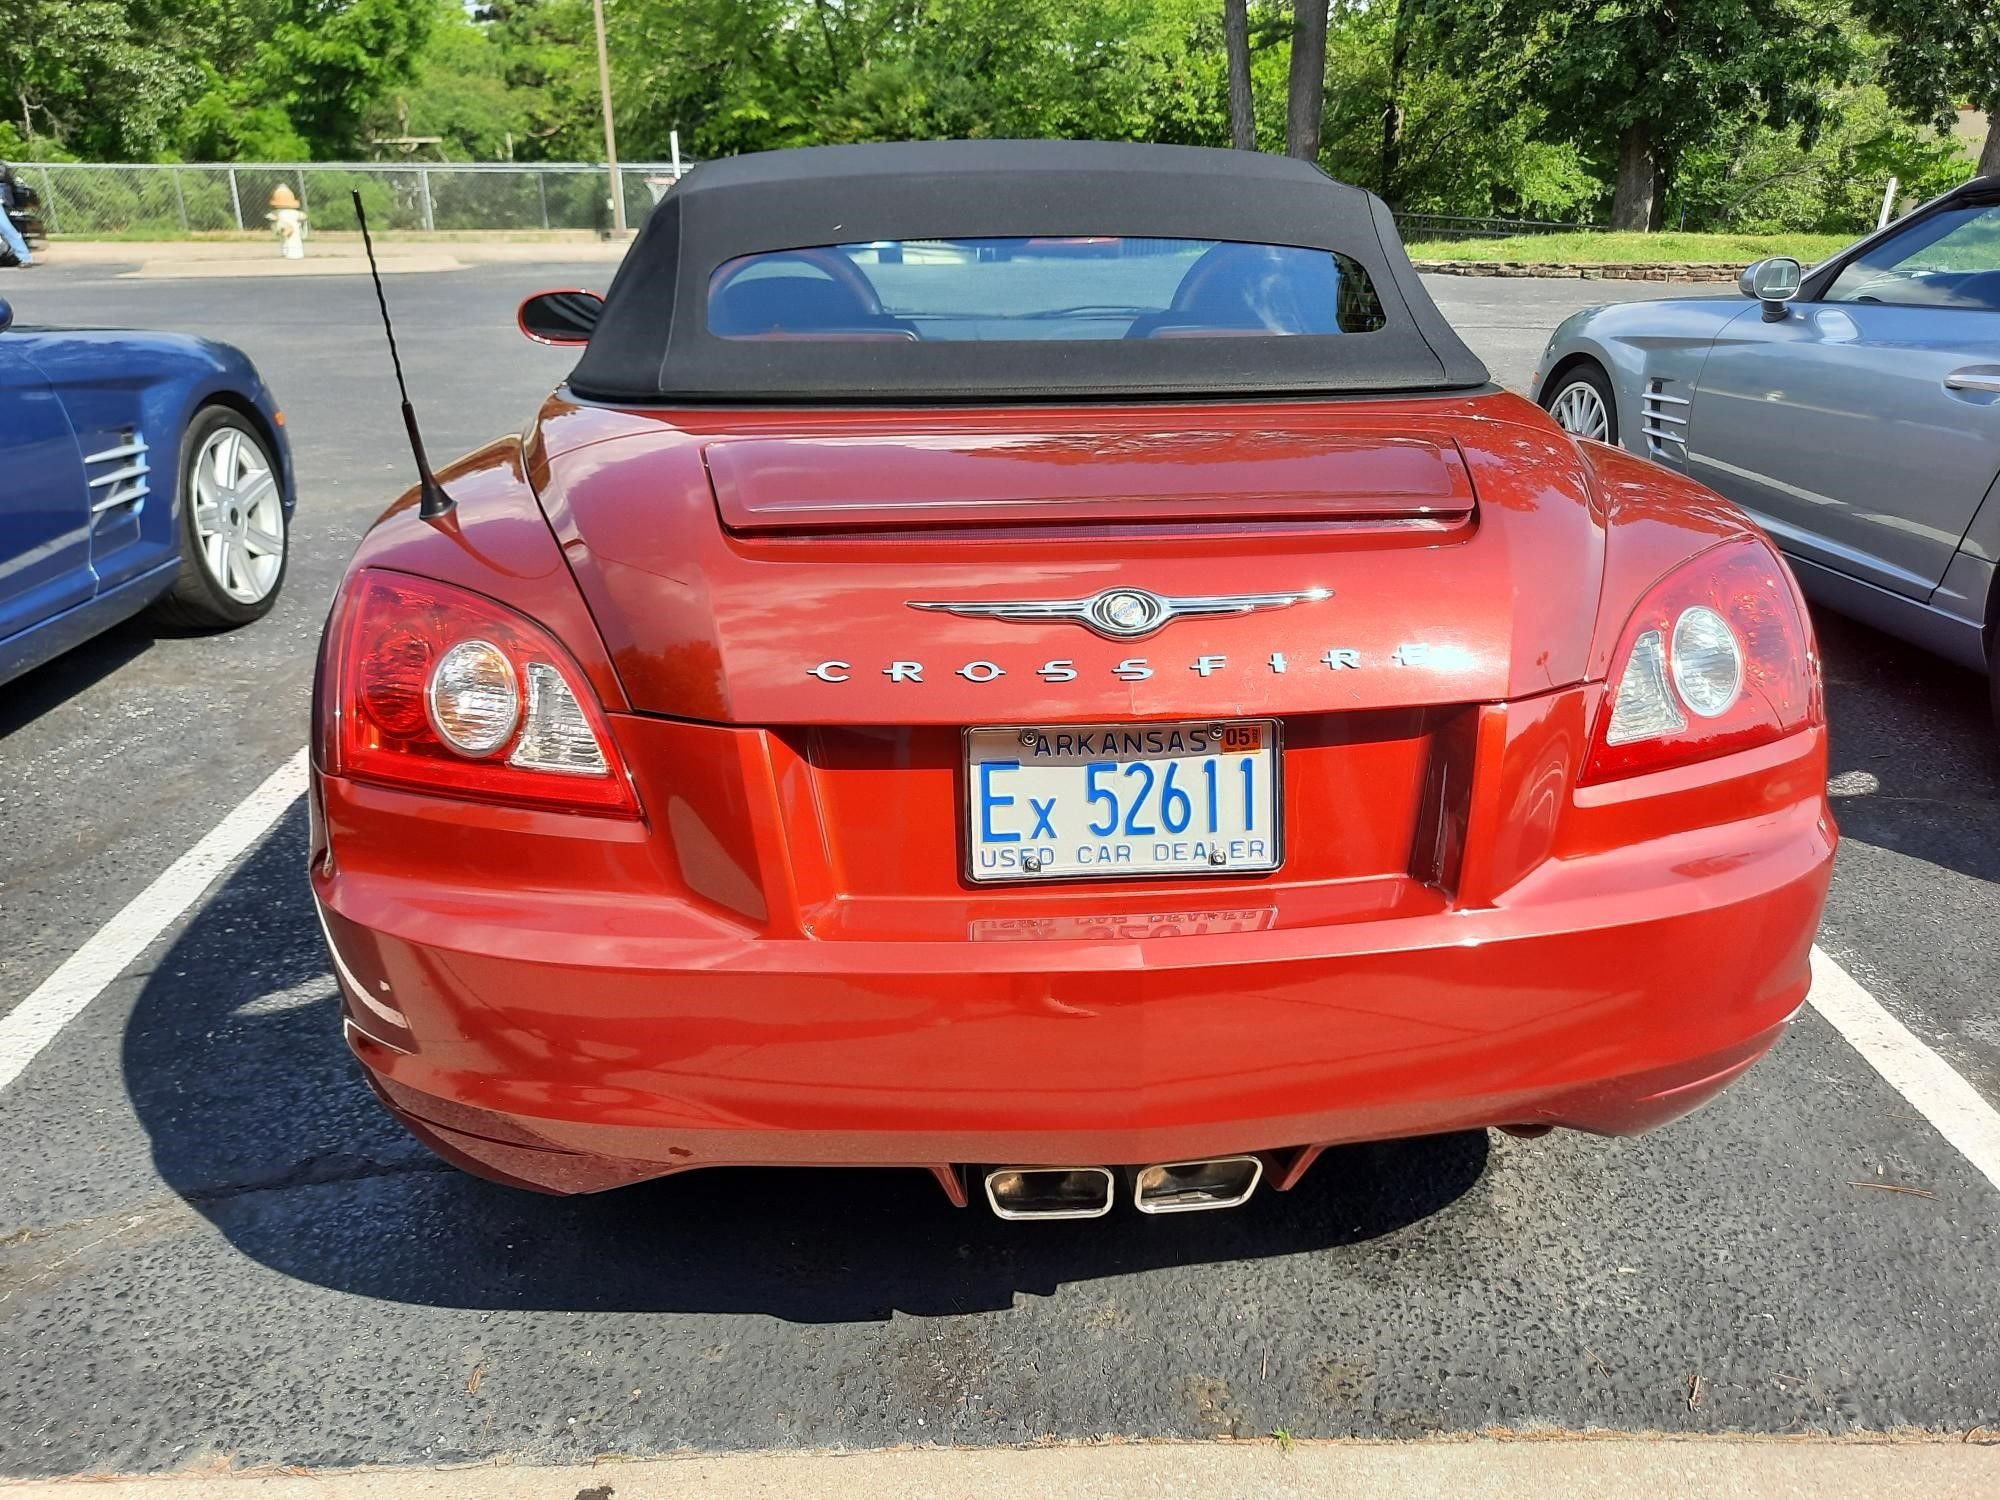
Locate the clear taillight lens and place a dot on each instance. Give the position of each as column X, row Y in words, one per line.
column 438, row 688
column 1644, row 708
column 1708, row 662
column 558, row 736
column 475, row 698
column 1718, row 657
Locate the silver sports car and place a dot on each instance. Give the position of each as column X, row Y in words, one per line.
column 1853, row 409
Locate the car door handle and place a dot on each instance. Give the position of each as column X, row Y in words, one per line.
column 1974, row 378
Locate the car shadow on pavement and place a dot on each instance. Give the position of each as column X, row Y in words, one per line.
column 1914, row 761
column 258, row 1117
column 55, row 682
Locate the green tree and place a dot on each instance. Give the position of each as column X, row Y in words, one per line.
column 101, row 78
column 1236, row 41
column 1430, row 138
column 459, row 91
column 548, row 63
column 1942, row 54
column 1753, row 179
column 139, row 79
column 1641, row 82
column 228, row 122
column 1305, row 95
column 738, row 75
column 284, row 79
column 326, row 62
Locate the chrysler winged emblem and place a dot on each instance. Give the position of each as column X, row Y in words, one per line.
column 1121, row 614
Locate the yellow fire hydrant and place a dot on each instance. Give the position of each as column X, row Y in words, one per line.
column 288, row 222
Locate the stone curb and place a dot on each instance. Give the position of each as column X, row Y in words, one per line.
column 1592, row 270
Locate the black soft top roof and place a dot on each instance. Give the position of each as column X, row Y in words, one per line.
column 652, row 343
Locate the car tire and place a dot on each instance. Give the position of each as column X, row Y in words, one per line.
column 1581, row 401
column 235, row 537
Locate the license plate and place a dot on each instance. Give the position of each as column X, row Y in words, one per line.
column 1097, row 801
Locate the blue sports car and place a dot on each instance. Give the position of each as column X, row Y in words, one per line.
column 1853, row 409
column 136, row 470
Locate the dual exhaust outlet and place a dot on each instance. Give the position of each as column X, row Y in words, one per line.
column 1179, row 1187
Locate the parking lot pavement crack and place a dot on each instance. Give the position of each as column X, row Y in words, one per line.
column 31, row 1234
column 38, row 1255
column 57, row 1247
column 318, row 1171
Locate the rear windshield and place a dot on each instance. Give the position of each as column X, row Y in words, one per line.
column 1052, row 289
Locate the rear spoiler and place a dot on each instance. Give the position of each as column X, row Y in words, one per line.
column 806, row 485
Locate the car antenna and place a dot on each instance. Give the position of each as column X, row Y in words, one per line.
column 433, row 499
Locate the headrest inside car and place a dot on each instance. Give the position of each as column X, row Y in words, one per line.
column 789, row 304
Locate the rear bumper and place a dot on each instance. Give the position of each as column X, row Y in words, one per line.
column 553, row 1041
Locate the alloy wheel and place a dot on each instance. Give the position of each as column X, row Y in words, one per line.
column 239, row 518
column 1580, row 412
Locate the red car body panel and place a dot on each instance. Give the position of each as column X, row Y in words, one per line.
column 781, row 961
column 1303, row 492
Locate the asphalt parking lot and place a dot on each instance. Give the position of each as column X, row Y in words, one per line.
column 215, row 1248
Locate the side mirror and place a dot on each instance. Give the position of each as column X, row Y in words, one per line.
column 563, row 318
column 1773, row 282
column 6, row 315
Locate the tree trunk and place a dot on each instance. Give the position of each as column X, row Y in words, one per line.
column 1242, row 113
column 1392, row 113
column 1989, row 159
column 1638, row 178
column 1306, row 97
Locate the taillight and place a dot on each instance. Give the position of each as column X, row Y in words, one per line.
column 442, row 689
column 1718, row 657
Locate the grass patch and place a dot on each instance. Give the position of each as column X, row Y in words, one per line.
column 1572, row 249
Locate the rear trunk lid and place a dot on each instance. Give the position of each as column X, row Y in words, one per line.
column 761, row 567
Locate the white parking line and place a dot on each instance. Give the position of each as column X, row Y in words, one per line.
column 1954, row 1107
column 1956, row 1110
column 59, row 999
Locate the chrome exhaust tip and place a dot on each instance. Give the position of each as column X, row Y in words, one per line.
column 1186, row 1187
column 1049, row 1192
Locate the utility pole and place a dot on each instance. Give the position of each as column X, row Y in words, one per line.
column 610, row 130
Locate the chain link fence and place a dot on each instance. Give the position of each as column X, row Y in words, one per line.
column 96, row 198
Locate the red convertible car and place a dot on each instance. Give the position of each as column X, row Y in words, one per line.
column 1100, row 726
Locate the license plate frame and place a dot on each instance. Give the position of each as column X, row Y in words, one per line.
column 1272, row 750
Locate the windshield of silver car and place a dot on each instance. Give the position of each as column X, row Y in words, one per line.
column 1951, row 259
